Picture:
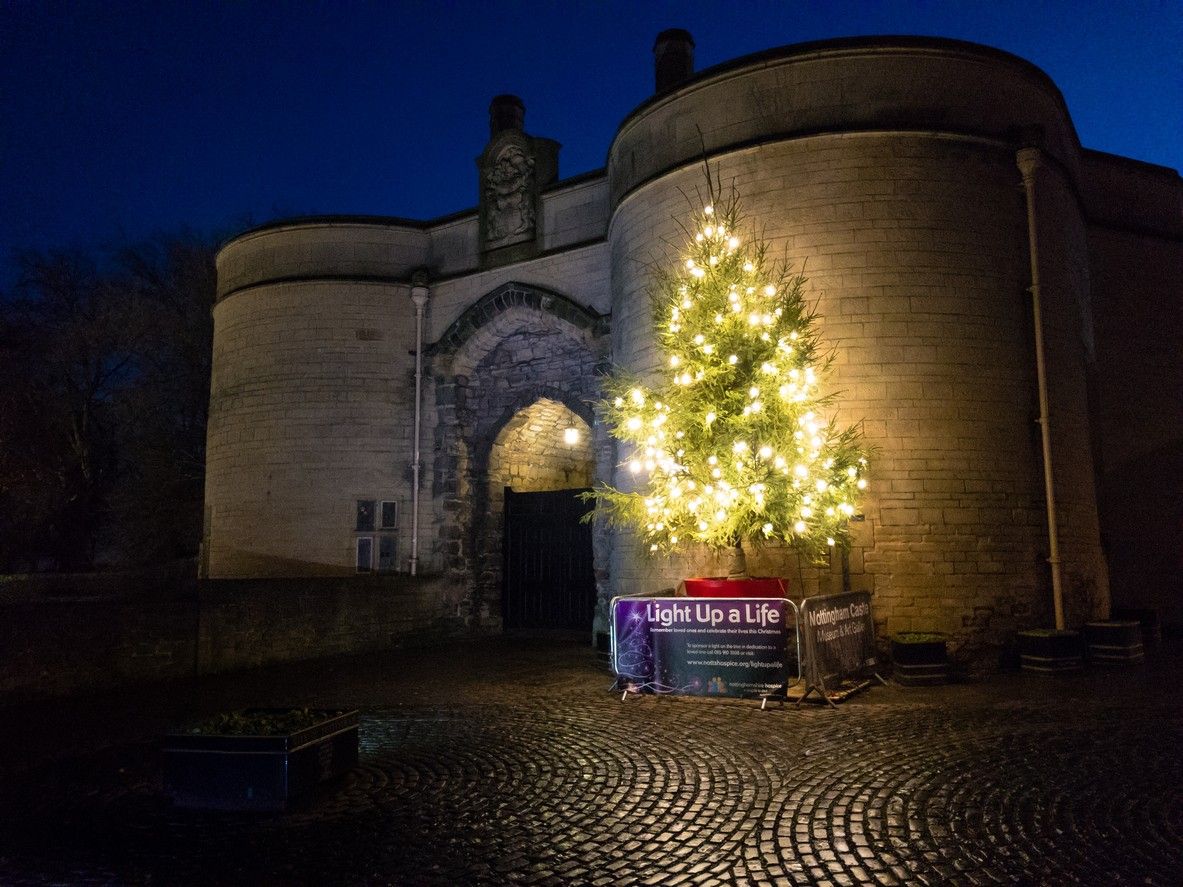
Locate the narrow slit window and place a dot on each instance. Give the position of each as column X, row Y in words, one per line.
column 365, row 554
column 387, row 554
column 389, row 515
column 365, row 515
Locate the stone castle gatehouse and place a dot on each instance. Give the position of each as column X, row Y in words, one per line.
column 899, row 171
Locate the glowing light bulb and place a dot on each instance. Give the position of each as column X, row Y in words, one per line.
column 637, row 396
column 830, row 541
column 634, row 423
column 770, row 290
column 710, row 417
column 571, row 436
column 708, row 210
column 799, row 527
column 862, row 484
column 733, row 359
column 765, row 452
column 767, row 528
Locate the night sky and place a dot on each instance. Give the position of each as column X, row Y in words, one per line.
column 119, row 119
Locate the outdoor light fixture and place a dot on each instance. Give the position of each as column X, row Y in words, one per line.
column 571, row 436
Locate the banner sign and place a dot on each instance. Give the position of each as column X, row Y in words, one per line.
column 839, row 637
column 704, row 646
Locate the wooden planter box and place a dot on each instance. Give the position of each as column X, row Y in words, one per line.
column 919, row 658
column 1115, row 641
column 225, row 772
column 1147, row 618
column 1048, row 651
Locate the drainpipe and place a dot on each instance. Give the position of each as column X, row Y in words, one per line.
column 419, row 295
column 1029, row 161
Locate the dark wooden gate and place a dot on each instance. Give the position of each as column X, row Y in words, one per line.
column 548, row 579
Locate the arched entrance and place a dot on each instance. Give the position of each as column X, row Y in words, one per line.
column 538, row 465
column 516, row 377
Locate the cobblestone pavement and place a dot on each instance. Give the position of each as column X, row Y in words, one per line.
column 508, row 761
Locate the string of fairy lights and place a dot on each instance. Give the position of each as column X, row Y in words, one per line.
column 730, row 445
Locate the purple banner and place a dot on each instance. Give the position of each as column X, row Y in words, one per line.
column 702, row 646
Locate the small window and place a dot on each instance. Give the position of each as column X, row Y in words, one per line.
column 387, row 554
column 389, row 515
column 365, row 515
column 365, row 554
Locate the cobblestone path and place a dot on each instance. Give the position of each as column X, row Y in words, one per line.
column 526, row 777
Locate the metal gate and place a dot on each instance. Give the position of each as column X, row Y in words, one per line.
column 548, row 578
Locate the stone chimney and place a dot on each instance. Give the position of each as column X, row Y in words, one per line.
column 506, row 112
column 673, row 59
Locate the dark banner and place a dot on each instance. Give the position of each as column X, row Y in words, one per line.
column 838, row 635
column 703, row 646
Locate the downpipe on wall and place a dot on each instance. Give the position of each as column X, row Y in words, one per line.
column 419, row 295
column 1029, row 160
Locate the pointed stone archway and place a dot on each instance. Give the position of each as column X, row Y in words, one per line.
column 516, row 369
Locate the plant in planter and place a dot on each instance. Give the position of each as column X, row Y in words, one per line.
column 732, row 446
column 920, row 657
column 258, row 759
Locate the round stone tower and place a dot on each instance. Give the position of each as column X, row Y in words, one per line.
column 310, row 396
column 886, row 168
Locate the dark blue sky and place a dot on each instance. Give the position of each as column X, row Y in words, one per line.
column 121, row 119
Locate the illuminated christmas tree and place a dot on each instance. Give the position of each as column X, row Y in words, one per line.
column 737, row 444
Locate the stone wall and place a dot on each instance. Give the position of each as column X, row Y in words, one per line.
column 64, row 634
column 1135, row 239
column 251, row 622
